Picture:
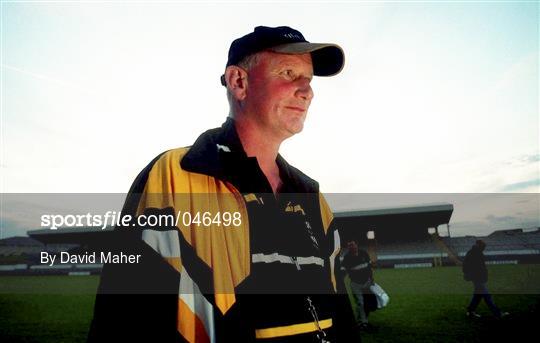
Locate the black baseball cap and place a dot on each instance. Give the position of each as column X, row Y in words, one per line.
column 328, row 59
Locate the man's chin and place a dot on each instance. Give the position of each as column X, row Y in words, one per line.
column 293, row 130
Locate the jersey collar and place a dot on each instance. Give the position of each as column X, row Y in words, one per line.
column 218, row 150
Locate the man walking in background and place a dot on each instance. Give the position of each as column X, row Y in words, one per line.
column 357, row 263
column 474, row 269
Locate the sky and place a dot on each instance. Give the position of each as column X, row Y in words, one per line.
column 435, row 97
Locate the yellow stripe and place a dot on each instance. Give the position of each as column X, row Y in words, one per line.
column 326, row 213
column 290, row 330
column 224, row 301
column 225, row 251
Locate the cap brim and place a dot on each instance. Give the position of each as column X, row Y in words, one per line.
column 328, row 59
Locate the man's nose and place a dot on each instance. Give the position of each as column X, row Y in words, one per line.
column 304, row 89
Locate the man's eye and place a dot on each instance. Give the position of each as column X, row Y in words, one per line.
column 288, row 73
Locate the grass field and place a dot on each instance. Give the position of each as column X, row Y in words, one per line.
column 46, row 308
column 429, row 305
column 426, row 305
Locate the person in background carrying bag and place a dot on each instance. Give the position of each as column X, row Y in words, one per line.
column 357, row 264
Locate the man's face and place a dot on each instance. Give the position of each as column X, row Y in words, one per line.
column 279, row 92
column 353, row 247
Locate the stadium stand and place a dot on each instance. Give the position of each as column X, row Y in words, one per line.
column 400, row 235
column 402, row 238
column 510, row 246
column 21, row 255
column 450, row 253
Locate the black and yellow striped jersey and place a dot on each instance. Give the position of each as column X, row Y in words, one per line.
column 221, row 282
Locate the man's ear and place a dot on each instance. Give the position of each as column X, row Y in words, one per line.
column 236, row 79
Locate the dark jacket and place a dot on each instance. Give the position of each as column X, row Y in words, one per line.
column 358, row 266
column 204, row 284
column 474, row 266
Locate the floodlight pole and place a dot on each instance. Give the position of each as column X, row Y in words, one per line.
column 448, row 229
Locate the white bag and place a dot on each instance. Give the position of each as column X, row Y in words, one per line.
column 380, row 294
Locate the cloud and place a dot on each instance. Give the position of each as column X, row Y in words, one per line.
column 509, row 222
column 521, row 186
column 503, row 219
column 523, row 160
column 23, row 212
column 11, row 228
column 532, row 158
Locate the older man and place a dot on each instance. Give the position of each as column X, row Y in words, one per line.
column 261, row 265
